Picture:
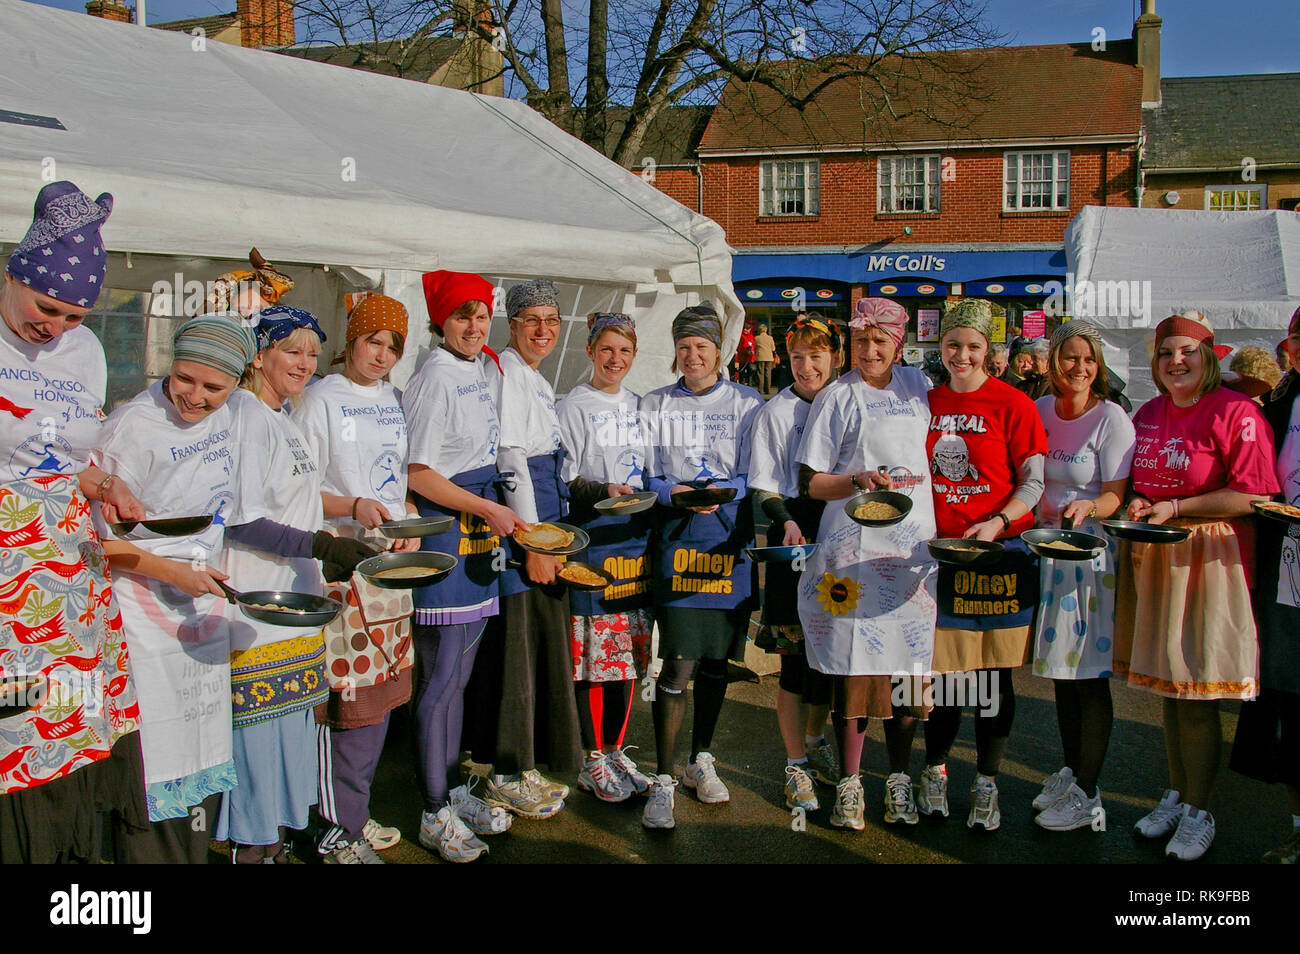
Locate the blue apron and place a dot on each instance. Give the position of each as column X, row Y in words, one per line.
column 619, row 546
column 699, row 559
column 1001, row 596
column 470, row 541
column 781, row 582
column 551, row 496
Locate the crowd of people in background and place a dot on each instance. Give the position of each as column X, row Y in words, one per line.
column 143, row 681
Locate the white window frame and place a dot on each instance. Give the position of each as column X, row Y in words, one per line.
column 900, row 180
column 1018, row 194
column 789, row 187
column 1256, row 188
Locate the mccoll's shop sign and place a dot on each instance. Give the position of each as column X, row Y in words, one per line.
column 905, row 263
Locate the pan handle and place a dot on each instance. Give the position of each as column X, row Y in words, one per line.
column 1067, row 523
column 232, row 595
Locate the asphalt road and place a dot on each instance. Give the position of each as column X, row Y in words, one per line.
column 755, row 827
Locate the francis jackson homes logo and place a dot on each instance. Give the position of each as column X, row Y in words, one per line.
column 78, row 907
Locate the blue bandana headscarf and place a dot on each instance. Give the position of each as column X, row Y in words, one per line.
column 599, row 321
column 62, row 255
column 279, row 322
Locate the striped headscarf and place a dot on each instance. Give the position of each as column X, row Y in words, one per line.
column 224, row 342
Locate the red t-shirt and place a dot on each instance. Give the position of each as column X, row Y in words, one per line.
column 976, row 444
column 1220, row 441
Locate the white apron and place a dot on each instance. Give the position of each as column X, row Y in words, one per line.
column 180, row 658
column 867, row 595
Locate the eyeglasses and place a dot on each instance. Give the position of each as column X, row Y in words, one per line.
column 532, row 324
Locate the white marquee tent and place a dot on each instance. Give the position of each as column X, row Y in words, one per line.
column 345, row 179
column 1130, row 268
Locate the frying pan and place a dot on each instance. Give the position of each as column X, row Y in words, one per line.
column 294, row 609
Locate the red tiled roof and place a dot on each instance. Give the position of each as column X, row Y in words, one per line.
column 1064, row 91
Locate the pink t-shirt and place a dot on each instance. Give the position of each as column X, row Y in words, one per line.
column 1220, row 441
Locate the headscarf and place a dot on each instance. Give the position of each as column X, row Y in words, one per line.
column 1190, row 324
column 829, row 328
column 279, row 322
column 446, row 291
column 887, row 315
column 224, row 342
column 602, row 321
column 698, row 321
column 974, row 313
column 538, row 292
column 373, row 313
column 272, row 284
column 1075, row 328
column 62, row 254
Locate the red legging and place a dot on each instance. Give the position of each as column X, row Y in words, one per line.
column 603, row 711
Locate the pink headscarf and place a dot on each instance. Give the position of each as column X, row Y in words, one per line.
column 889, row 316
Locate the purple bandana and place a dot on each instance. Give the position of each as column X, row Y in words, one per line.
column 62, row 255
column 279, row 322
column 599, row 321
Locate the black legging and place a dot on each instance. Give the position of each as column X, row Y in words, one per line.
column 669, row 706
column 1085, row 714
column 991, row 730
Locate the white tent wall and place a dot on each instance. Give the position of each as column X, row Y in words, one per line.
column 1130, row 268
column 210, row 149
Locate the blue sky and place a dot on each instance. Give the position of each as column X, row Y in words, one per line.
column 1199, row 37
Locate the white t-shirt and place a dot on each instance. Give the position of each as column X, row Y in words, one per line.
column 451, row 414
column 778, row 430
column 836, row 433
column 51, row 398
column 1288, row 458
column 175, row 468
column 697, row 437
column 602, row 436
column 277, row 478
column 529, row 428
column 358, row 435
column 1082, row 454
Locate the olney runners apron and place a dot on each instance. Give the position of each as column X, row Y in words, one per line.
column 470, row 540
column 620, row 547
column 866, row 598
column 700, row 561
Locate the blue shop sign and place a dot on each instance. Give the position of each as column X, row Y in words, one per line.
column 919, row 265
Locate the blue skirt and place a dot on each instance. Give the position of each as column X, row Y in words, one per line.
column 276, row 763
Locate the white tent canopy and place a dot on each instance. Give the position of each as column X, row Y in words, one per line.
column 1130, row 268
column 210, row 149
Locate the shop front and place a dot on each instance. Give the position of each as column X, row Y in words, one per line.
column 769, row 283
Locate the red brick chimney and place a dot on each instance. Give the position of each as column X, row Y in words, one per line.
column 111, row 10
column 266, row 23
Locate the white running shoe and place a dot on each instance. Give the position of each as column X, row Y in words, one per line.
column 632, row 777
column 446, row 834
column 356, row 852
column 822, row 764
column 1162, row 819
column 658, row 812
column 478, row 816
column 380, row 836
column 799, row 789
column 1054, row 787
column 1073, row 809
column 1194, row 835
column 984, row 804
column 599, row 777
column 848, row 811
column 933, row 796
column 702, row 775
column 542, row 783
column 518, row 794
column 900, row 806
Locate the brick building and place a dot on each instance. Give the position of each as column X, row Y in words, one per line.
column 1224, row 144
column 970, row 198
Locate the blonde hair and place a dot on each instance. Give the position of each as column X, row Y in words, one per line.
column 253, row 379
column 1211, row 377
column 1254, row 362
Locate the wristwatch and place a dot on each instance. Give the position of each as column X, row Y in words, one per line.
column 1006, row 521
column 853, row 479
